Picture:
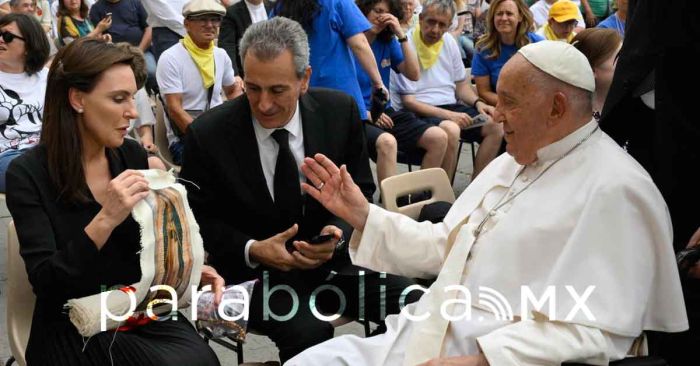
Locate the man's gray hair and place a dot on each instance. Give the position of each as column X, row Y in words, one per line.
column 268, row 39
column 442, row 6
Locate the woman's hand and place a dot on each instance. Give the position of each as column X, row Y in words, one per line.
column 389, row 20
column 120, row 197
column 211, row 277
column 334, row 188
column 122, row 194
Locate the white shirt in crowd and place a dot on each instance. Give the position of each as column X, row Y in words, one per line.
column 177, row 74
column 143, row 107
column 21, row 109
column 269, row 149
column 593, row 218
column 540, row 12
column 166, row 13
column 436, row 85
column 257, row 12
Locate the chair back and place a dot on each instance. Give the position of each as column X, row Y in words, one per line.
column 4, row 212
column 20, row 298
column 434, row 180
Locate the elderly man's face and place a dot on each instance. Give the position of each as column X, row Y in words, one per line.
column 523, row 110
column 433, row 24
column 273, row 88
column 203, row 28
column 25, row 7
column 409, row 6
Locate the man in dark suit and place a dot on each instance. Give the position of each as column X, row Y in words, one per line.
column 651, row 109
column 244, row 158
column 238, row 18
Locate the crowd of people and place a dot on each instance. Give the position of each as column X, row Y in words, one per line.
column 273, row 112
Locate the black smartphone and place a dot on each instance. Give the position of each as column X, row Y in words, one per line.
column 320, row 239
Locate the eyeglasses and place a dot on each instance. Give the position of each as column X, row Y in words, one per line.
column 8, row 37
column 206, row 19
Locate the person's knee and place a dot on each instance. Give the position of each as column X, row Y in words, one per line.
column 433, row 138
column 452, row 129
column 154, row 162
column 386, row 145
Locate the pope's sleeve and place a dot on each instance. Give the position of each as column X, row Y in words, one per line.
column 396, row 244
column 531, row 342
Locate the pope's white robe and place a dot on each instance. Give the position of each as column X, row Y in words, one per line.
column 594, row 218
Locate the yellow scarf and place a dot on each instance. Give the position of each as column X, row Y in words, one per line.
column 550, row 35
column 428, row 55
column 203, row 58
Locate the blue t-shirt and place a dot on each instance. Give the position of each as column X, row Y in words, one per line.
column 332, row 64
column 613, row 22
column 388, row 56
column 481, row 66
column 128, row 19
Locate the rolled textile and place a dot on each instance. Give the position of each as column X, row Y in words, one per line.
column 172, row 254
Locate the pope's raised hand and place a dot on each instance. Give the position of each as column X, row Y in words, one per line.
column 334, row 188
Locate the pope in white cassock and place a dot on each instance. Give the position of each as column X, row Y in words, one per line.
column 567, row 227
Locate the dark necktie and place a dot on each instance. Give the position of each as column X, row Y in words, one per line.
column 286, row 182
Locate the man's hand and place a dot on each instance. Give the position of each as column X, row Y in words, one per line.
column 478, row 360
column 322, row 252
column 694, row 271
column 334, row 188
column 272, row 252
column 385, row 122
column 486, row 109
column 461, row 119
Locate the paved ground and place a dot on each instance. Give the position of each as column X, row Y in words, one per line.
column 257, row 348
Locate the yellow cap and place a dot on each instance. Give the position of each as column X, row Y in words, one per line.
column 563, row 10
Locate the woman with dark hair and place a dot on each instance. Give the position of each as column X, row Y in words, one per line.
column 24, row 50
column 72, row 22
column 71, row 199
column 335, row 28
column 509, row 27
column 600, row 46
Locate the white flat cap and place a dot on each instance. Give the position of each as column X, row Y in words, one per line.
column 200, row 7
column 562, row 61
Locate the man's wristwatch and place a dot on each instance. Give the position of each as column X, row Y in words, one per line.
column 341, row 245
column 403, row 39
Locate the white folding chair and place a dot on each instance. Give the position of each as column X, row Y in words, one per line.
column 20, row 300
column 434, row 180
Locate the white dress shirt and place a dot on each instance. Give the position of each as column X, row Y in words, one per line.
column 268, row 148
column 257, row 12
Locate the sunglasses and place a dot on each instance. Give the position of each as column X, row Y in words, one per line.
column 9, row 37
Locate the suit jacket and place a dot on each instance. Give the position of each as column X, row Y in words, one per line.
column 661, row 36
column 231, row 201
column 234, row 24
